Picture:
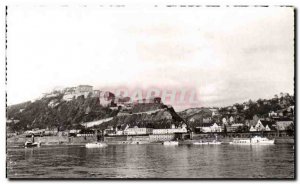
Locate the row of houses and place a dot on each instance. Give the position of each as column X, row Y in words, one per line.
column 280, row 125
column 260, row 125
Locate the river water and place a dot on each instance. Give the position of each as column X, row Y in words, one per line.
column 152, row 161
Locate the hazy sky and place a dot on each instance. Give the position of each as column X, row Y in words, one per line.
column 227, row 55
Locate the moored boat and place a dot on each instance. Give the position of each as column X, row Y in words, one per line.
column 256, row 140
column 200, row 143
column 96, row 145
column 207, row 143
column 32, row 143
column 29, row 144
column 170, row 143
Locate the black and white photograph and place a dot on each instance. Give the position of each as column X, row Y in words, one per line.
column 152, row 91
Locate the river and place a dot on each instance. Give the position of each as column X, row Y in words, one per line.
column 152, row 161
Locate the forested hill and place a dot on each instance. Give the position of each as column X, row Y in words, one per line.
column 54, row 112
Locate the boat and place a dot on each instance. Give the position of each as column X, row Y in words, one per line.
column 96, row 145
column 30, row 144
column 200, row 143
column 207, row 143
column 170, row 143
column 256, row 140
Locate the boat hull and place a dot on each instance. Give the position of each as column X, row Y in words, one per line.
column 32, row 145
column 96, row 145
column 207, row 143
column 170, row 143
column 254, row 141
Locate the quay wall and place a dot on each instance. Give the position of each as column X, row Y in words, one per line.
column 52, row 140
column 284, row 140
column 141, row 139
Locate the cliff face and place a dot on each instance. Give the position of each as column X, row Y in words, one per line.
column 54, row 112
column 147, row 115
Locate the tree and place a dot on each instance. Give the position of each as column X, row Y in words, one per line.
column 290, row 129
column 225, row 130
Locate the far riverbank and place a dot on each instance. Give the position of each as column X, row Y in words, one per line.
column 65, row 140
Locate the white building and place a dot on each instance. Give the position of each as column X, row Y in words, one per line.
column 137, row 131
column 252, row 129
column 211, row 127
column 214, row 112
column 74, row 92
column 283, row 124
column 224, row 121
column 264, row 125
column 171, row 130
column 273, row 114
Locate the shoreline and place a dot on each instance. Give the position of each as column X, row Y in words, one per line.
column 81, row 141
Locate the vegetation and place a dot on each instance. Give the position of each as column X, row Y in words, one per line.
column 54, row 113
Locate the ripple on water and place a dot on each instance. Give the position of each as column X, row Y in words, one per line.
column 152, row 161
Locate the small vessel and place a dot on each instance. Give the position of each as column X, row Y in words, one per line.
column 207, row 143
column 96, row 145
column 200, row 142
column 30, row 144
column 256, row 140
column 170, row 143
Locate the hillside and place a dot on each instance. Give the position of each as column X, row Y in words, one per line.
column 157, row 116
column 281, row 106
column 194, row 116
column 54, row 112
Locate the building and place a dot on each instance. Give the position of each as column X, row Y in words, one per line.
column 282, row 124
column 139, row 138
column 169, row 131
column 263, row 125
column 138, row 131
column 224, row 121
column 205, row 127
column 84, row 88
column 96, row 93
column 69, row 96
column 231, row 119
column 210, row 127
column 216, row 128
column 233, row 127
column 214, row 112
column 148, row 100
column 273, row 114
column 252, row 129
column 254, row 121
column 161, row 137
column 106, row 98
column 74, row 132
column 71, row 93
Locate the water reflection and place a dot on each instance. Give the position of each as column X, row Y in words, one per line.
column 153, row 161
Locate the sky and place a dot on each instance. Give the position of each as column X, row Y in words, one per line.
column 226, row 55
